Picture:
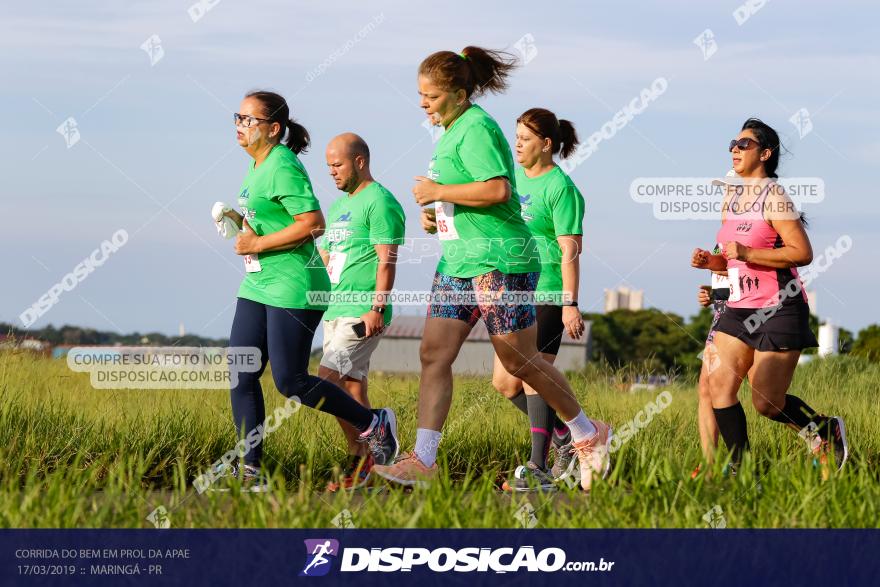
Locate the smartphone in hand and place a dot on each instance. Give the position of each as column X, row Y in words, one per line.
column 360, row 329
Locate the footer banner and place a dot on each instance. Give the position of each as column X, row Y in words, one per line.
column 374, row 557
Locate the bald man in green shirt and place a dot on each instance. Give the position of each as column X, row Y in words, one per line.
column 359, row 248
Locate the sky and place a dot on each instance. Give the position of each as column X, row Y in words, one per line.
column 151, row 145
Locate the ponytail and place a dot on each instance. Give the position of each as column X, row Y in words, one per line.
column 568, row 139
column 804, row 220
column 475, row 70
column 297, row 137
column 275, row 109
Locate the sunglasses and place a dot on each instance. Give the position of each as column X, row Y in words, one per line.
column 247, row 121
column 742, row 144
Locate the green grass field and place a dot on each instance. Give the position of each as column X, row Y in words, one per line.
column 73, row 456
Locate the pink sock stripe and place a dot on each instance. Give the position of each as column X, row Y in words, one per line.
column 561, row 431
column 541, row 431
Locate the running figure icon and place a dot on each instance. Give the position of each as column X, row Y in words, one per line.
column 319, row 553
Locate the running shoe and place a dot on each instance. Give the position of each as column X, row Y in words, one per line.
column 529, row 477
column 729, row 470
column 565, row 466
column 356, row 474
column 836, row 435
column 225, row 475
column 253, row 480
column 382, row 439
column 818, row 448
column 830, row 443
column 408, row 470
column 593, row 454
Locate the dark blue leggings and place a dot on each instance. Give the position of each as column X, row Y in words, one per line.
column 284, row 337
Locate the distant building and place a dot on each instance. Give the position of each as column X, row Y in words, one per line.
column 649, row 382
column 829, row 339
column 624, row 298
column 31, row 345
column 399, row 350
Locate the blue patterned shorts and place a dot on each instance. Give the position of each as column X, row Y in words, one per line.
column 499, row 318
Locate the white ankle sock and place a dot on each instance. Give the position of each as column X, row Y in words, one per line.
column 427, row 442
column 581, row 427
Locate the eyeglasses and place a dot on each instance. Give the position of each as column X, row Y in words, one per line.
column 742, row 144
column 247, row 121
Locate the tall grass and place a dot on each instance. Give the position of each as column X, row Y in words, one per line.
column 74, row 456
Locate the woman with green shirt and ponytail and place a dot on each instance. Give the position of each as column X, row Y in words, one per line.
column 553, row 209
column 488, row 251
column 275, row 312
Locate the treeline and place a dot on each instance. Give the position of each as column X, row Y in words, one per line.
column 76, row 335
column 664, row 342
column 655, row 341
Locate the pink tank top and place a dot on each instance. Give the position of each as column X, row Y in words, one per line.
column 751, row 285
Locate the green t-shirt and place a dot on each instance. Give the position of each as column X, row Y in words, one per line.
column 476, row 241
column 552, row 206
column 355, row 224
column 270, row 196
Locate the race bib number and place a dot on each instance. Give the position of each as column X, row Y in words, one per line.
column 733, row 278
column 335, row 264
column 252, row 263
column 445, row 221
column 720, row 281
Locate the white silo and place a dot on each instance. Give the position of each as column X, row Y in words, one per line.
column 829, row 335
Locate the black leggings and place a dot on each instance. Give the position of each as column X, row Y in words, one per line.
column 284, row 337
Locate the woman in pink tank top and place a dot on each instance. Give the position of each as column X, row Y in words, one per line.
column 747, row 225
column 766, row 323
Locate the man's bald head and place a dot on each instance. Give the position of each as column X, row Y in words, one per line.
column 351, row 145
column 348, row 158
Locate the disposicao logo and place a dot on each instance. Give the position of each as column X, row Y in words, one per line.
column 441, row 560
column 318, row 553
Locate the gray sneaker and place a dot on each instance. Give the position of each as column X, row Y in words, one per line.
column 253, row 480
column 565, row 464
column 382, row 440
column 529, row 477
column 250, row 478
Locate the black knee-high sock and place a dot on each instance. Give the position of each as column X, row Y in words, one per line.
column 560, row 433
column 732, row 425
column 519, row 400
column 797, row 412
column 541, row 419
